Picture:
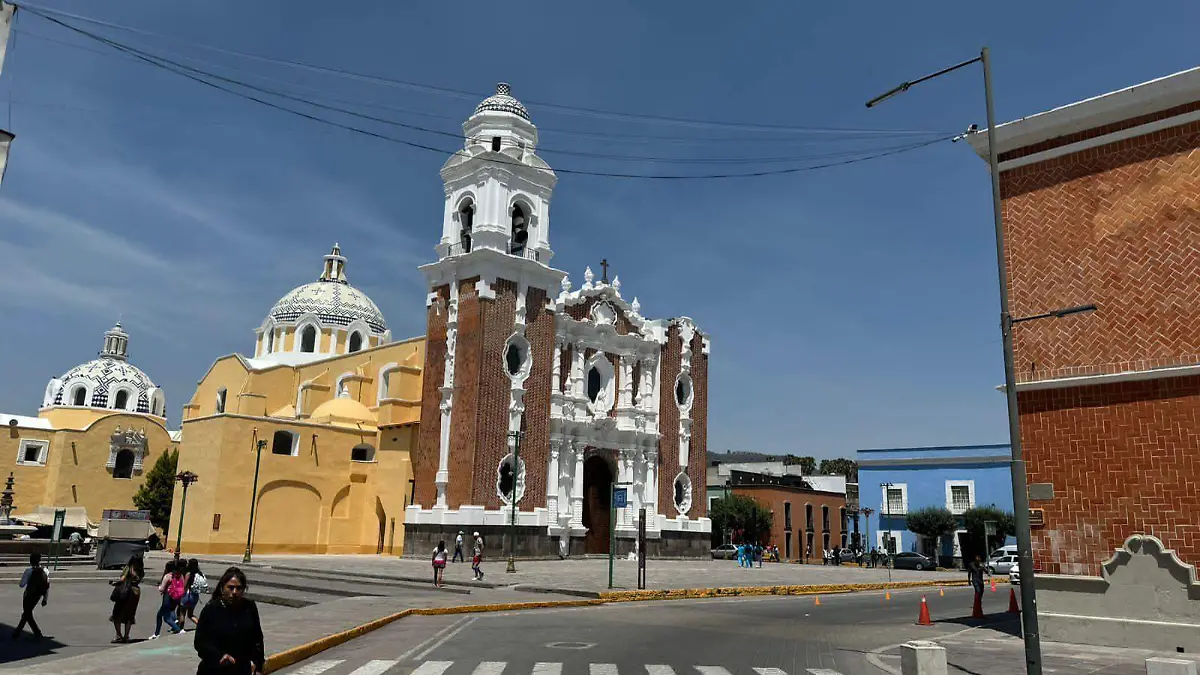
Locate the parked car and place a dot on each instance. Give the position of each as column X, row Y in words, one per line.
column 1002, row 565
column 1014, row 576
column 724, row 552
column 912, row 561
column 846, row 555
column 1011, row 549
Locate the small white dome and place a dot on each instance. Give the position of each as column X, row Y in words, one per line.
column 331, row 299
column 503, row 101
column 99, row 383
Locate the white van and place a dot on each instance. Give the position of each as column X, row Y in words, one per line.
column 1011, row 549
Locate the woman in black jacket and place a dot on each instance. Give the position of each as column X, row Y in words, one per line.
column 229, row 637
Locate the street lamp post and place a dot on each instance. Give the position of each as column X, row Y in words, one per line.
column 512, row 522
column 187, row 478
column 258, row 446
column 867, row 511
column 1029, row 620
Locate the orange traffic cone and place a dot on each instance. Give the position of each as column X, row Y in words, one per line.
column 923, row 619
column 993, row 585
column 887, row 595
column 941, row 592
column 1012, row 602
column 817, row 603
column 977, row 610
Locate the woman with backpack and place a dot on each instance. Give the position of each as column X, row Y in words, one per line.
column 196, row 584
column 439, row 563
column 125, row 596
column 172, row 589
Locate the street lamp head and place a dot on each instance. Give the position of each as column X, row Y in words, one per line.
column 903, row 87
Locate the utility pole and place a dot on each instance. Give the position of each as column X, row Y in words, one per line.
column 512, row 522
column 258, row 445
column 187, row 478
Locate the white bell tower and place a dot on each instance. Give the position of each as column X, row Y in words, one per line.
column 497, row 188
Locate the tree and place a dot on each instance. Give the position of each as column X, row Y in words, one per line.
column 933, row 522
column 739, row 518
column 155, row 494
column 975, row 521
column 841, row 467
column 808, row 464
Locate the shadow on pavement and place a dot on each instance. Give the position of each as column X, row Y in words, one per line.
column 24, row 647
column 1009, row 624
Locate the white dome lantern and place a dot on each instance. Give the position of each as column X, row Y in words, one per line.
column 108, row 383
column 330, row 306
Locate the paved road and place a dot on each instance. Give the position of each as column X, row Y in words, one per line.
column 846, row 635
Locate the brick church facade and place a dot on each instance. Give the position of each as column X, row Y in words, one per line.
column 1101, row 204
column 542, row 393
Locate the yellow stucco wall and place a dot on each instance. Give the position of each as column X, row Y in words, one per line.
column 75, row 472
column 318, row 500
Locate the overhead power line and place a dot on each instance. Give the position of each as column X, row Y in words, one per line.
column 460, row 93
column 199, row 76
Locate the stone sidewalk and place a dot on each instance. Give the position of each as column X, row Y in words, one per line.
column 590, row 575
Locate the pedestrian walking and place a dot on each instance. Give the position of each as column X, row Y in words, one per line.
column 477, row 558
column 758, row 554
column 126, row 595
column 197, row 585
column 458, row 548
column 975, row 576
column 36, row 582
column 439, row 563
column 172, row 588
column 229, row 637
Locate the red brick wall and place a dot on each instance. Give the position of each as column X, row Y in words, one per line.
column 581, row 312
column 1123, row 458
column 1116, row 225
column 668, row 426
column 466, row 394
column 535, row 449
column 495, row 393
column 425, row 456
column 698, row 460
column 773, row 498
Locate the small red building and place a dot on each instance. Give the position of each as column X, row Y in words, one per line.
column 804, row 521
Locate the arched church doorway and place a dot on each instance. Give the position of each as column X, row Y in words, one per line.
column 597, row 495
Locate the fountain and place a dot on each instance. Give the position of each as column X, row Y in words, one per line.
column 9, row 529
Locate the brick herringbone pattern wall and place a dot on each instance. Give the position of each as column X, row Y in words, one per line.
column 1118, row 226
column 1096, row 132
column 425, row 457
column 495, row 393
column 581, row 311
column 535, row 449
column 1124, row 458
column 668, row 425
column 698, row 462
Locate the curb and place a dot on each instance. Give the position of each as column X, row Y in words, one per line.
column 299, row 653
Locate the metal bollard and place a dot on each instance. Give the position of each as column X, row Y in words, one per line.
column 1161, row 666
column 922, row 657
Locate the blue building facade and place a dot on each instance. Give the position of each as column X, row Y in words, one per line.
column 896, row 481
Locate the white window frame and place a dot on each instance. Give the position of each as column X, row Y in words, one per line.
column 970, row 485
column 884, row 509
column 898, row 535
column 295, row 443
column 43, row 451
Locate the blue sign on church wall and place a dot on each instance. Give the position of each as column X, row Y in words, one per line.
column 620, row 498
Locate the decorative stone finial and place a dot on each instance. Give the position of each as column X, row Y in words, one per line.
column 503, row 89
column 566, row 284
column 587, row 277
column 6, row 500
column 636, row 306
column 616, row 284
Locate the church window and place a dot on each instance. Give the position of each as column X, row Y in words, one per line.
column 516, row 357
column 308, row 339
column 495, row 144
column 595, row 384
column 510, row 478
column 683, row 391
column 78, row 395
column 385, row 383
column 506, row 479
column 466, row 218
column 271, row 341
column 221, row 400
column 363, row 452
column 520, row 230
column 355, row 341
column 283, row 443
column 33, row 453
column 513, row 358
column 123, row 468
column 121, row 400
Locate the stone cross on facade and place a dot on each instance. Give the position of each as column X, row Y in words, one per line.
column 604, row 270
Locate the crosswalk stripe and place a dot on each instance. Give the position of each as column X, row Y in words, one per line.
column 602, row 669
column 659, row 670
column 316, row 667
column 547, row 669
column 490, row 668
column 432, row 668
column 712, row 670
column 822, row 671
column 375, row 667
column 769, row 671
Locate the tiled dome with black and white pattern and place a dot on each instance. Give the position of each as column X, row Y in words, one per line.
column 503, row 101
column 331, row 299
column 104, row 377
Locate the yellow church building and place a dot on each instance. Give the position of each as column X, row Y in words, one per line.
column 323, row 417
column 100, row 428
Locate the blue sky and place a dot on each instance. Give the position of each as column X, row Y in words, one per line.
column 850, row 307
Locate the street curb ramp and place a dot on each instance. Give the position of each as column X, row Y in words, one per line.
column 294, row 655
